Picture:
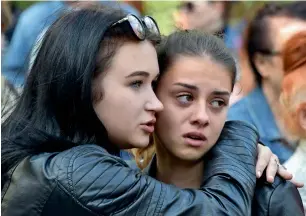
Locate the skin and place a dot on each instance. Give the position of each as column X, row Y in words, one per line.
column 271, row 67
column 194, row 19
column 196, row 91
column 302, row 117
column 127, row 94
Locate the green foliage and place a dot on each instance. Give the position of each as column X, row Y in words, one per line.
column 162, row 11
column 23, row 4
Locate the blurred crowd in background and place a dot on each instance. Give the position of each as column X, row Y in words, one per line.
column 267, row 95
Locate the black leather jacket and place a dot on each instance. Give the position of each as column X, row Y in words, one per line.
column 278, row 199
column 86, row 180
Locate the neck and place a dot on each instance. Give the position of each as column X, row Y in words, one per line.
column 172, row 170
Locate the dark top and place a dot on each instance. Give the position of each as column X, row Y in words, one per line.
column 281, row 198
column 87, row 180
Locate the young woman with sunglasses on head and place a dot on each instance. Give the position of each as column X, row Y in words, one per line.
column 89, row 94
column 197, row 76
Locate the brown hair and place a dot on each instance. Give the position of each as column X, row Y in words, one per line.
column 293, row 97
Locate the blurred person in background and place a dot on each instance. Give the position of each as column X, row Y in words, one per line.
column 211, row 17
column 31, row 23
column 293, row 101
column 6, row 21
column 9, row 93
column 266, row 36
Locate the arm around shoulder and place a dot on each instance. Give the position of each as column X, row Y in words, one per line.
column 106, row 185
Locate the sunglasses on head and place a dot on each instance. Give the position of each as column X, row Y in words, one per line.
column 139, row 26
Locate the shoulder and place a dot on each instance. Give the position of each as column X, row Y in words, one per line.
column 279, row 198
column 81, row 166
column 85, row 155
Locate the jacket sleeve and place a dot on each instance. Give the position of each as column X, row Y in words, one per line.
column 278, row 199
column 105, row 185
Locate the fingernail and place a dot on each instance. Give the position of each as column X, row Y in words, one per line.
column 272, row 178
column 258, row 174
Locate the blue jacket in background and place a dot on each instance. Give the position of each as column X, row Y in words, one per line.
column 29, row 26
column 255, row 109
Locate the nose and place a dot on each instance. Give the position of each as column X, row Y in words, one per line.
column 154, row 104
column 200, row 116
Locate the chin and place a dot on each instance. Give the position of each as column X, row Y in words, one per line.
column 141, row 142
column 190, row 156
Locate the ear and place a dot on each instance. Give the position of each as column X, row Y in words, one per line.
column 302, row 117
column 262, row 64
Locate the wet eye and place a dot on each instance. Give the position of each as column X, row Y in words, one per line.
column 136, row 84
column 217, row 103
column 184, row 99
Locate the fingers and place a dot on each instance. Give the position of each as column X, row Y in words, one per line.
column 269, row 161
column 297, row 184
column 263, row 159
column 284, row 173
column 272, row 168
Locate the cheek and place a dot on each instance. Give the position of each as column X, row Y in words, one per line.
column 117, row 107
column 217, row 123
column 106, row 111
column 170, row 116
column 168, row 122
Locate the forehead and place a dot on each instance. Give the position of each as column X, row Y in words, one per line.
column 134, row 56
column 283, row 28
column 201, row 71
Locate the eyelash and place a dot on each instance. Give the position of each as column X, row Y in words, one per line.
column 223, row 103
column 184, row 95
column 136, row 84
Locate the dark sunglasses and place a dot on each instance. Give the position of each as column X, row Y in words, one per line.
column 139, row 26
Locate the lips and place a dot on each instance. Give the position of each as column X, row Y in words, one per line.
column 148, row 126
column 195, row 139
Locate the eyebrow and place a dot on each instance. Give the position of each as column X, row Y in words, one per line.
column 221, row 93
column 138, row 73
column 191, row 87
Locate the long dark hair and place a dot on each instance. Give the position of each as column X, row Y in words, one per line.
column 55, row 110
